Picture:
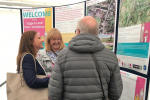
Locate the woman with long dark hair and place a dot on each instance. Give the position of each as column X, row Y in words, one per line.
column 31, row 42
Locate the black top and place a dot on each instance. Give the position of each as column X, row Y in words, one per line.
column 29, row 73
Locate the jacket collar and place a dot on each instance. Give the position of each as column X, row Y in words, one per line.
column 44, row 54
column 85, row 42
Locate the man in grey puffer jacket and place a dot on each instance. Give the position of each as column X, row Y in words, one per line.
column 74, row 76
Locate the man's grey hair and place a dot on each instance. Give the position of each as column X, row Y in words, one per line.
column 86, row 28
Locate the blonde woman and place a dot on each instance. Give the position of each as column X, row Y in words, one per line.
column 53, row 44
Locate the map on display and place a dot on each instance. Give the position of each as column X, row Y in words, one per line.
column 133, row 12
column 104, row 13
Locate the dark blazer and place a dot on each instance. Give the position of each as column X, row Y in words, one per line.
column 29, row 73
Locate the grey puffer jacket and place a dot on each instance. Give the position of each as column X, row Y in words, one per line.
column 74, row 76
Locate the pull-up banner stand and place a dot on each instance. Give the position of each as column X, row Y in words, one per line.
column 39, row 19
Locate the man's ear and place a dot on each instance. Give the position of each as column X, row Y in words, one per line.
column 77, row 32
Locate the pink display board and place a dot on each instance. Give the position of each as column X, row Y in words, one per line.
column 139, row 90
column 145, row 32
column 37, row 24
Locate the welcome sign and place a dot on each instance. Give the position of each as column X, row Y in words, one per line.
column 40, row 20
column 36, row 14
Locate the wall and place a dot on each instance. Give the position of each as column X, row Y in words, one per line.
column 10, row 33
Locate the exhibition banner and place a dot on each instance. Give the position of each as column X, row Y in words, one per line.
column 133, row 86
column 134, row 35
column 40, row 20
column 66, row 18
column 104, row 12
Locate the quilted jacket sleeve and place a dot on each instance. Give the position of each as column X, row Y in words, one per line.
column 55, row 85
column 115, row 85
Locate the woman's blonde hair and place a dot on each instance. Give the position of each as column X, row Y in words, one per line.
column 52, row 34
column 26, row 45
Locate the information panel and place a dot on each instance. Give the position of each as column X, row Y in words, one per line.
column 66, row 18
column 104, row 12
column 134, row 35
column 40, row 20
column 133, row 86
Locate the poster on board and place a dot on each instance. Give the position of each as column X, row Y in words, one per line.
column 40, row 20
column 104, row 12
column 134, row 35
column 66, row 18
column 133, row 86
